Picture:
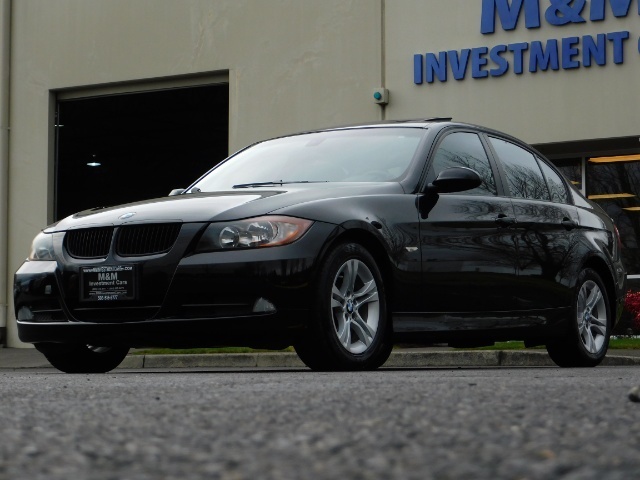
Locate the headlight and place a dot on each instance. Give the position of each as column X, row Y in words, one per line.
column 42, row 247
column 252, row 233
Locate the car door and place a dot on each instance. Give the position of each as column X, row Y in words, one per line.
column 468, row 249
column 545, row 224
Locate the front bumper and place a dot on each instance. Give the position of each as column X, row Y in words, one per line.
column 257, row 297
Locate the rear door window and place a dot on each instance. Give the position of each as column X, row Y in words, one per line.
column 524, row 177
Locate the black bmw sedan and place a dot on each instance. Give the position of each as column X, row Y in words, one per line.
column 339, row 242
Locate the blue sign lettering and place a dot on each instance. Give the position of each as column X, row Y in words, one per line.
column 501, row 63
column 544, row 56
column 459, row 63
column 509, row 14
column 620, row 8
column 566, row 54
column 618, row 39
column 478, row 62
column 417, row 69
column 553, row 54
column 562, row 12
column 437, row 67
column 570, row 52
column 594, row 50
column 518, row 50
column 558, row 13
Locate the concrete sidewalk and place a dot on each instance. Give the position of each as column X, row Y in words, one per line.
column 24, row 358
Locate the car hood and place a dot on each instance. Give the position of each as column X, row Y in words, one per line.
column 218, row 206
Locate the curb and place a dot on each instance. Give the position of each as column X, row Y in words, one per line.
column 400, row 359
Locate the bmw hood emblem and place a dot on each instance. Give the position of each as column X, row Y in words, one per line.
column 126, row 215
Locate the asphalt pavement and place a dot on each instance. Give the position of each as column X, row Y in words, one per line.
column 20, row 358
column 293, row 424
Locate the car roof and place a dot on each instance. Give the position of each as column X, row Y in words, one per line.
column 425, row 123
column 439, row 122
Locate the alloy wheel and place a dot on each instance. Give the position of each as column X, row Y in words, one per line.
column 355, row 306
column 592, row 317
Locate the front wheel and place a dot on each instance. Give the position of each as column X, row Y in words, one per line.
column 82, row 358
column 350, row 327
column 587, row 342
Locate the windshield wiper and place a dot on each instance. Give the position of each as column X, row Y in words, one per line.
column 269, row 184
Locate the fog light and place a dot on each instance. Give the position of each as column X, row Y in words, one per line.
column 263, row 305
column 25, row 314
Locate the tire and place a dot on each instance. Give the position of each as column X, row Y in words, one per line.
column 587, row 341
column 82, row 358
column 350, row 329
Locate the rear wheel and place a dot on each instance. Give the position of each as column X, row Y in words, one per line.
column 587, row 342
column 350, row 329
column 82, row 358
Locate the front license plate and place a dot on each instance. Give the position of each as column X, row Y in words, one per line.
column 108, row 283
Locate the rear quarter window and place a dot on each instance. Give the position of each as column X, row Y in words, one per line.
column 557, row 187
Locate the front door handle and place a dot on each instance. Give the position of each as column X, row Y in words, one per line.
column 568, row 223
column 504, row 221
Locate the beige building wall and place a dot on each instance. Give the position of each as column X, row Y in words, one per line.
column 291, row 65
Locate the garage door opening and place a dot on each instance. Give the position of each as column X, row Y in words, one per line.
column 124, row 148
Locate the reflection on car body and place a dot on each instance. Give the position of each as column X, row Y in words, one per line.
column 339, row 242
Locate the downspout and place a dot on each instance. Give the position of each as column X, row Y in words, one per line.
column 5, row 66
column 383, row 53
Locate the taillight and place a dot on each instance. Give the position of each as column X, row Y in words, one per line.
column 618, row 239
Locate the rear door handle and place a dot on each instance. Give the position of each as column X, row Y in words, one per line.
column 505, row 221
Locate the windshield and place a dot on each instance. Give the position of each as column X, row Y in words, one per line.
column 362, row 155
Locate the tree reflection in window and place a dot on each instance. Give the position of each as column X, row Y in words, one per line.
column 571, row 168
column 462, row 149
column 524, row 177
column 556, row 186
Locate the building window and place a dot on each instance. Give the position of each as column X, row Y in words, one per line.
column 614, row 183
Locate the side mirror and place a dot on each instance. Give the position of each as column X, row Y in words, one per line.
column 176, row 191
column 456, row 179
